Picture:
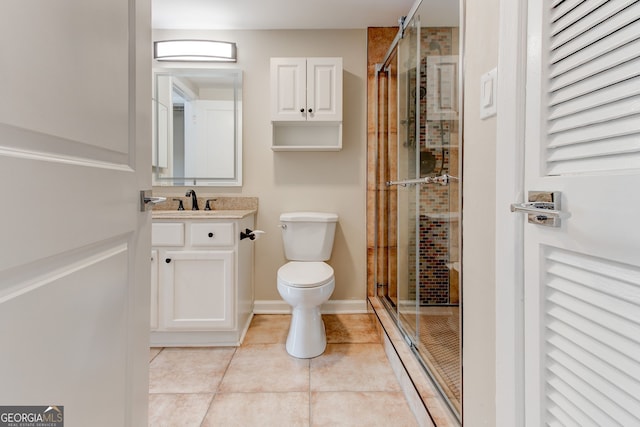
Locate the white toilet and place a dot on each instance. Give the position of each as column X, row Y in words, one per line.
column 306, row 281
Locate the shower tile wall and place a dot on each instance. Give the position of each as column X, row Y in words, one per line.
column 378, row 42
column 438, row 145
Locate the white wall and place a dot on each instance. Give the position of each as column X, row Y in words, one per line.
column 286, row 181
column 478, row 295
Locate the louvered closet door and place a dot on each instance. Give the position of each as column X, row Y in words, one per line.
column 582, row 280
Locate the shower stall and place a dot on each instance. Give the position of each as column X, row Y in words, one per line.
column 418, row 183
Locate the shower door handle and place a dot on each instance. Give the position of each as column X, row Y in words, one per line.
column 442, row 180
column 543, row 208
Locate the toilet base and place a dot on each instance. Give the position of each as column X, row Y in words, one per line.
column 307, row 337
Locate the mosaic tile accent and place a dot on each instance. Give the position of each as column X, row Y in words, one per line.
column 434, row 257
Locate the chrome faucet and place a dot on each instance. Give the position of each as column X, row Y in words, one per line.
column 194, row 200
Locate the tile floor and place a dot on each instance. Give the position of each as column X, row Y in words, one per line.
column 259, row 384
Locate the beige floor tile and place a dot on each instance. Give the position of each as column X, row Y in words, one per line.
column 352, row 367
column 188, row 370
column 360, row 408
column 259, row 384
column 183, row 410
column 153, row 352
column 350, row 328
column 265, row 368
column 258, row 409
column 268, row 329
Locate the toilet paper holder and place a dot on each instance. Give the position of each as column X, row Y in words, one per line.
column 250, row 234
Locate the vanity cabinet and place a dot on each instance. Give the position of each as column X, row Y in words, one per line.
column 306, row 104
column 204, row 286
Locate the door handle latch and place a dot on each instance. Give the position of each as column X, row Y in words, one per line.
column 542, row 208
column 146, row 201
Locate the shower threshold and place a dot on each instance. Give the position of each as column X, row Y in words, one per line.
column 433, row 335
column 436, row 403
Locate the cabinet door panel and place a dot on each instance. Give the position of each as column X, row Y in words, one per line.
column 288, row 89
column 197, row 290
column 324, row 89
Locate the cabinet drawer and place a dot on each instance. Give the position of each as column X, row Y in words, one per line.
column 167, row 234
column 211, row 234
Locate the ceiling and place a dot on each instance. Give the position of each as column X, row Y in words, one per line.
column 280, row 14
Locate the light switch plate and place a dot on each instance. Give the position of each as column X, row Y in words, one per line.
column 488, row 94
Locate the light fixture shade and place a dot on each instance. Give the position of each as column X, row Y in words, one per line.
column 194, row 50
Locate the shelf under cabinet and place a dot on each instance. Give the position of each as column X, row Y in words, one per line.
column 307, row 136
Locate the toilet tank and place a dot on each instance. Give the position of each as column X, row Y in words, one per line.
column 308, row 236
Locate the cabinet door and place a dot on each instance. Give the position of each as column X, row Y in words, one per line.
column 197, row 290
column 288, row 89
column 324, row 89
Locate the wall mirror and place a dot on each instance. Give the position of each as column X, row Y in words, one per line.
column 197, row 127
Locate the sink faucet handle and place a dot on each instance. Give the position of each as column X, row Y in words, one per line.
column 180, row 205
column 207, row 207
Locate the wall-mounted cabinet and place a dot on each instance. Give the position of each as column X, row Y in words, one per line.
column 306, row 104
column 306, row 89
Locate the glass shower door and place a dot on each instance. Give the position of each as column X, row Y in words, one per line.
column 406, row 196
column 437, row 314
column 418, row 215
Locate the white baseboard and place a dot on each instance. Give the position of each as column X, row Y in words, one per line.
column 271, row 307
column 330, row 307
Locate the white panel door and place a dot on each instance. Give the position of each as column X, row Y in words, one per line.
column 75, row 135
column 582, row 279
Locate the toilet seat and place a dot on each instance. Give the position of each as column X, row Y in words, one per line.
column 304, row 274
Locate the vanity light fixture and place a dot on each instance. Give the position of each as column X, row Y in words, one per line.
column 194, row 50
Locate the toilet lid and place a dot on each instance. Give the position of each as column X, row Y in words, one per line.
column 305, row 274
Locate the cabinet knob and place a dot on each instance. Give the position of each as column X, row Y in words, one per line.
column 211, row 234
column 168, row 260
column 310, row 110
column 302, row 110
